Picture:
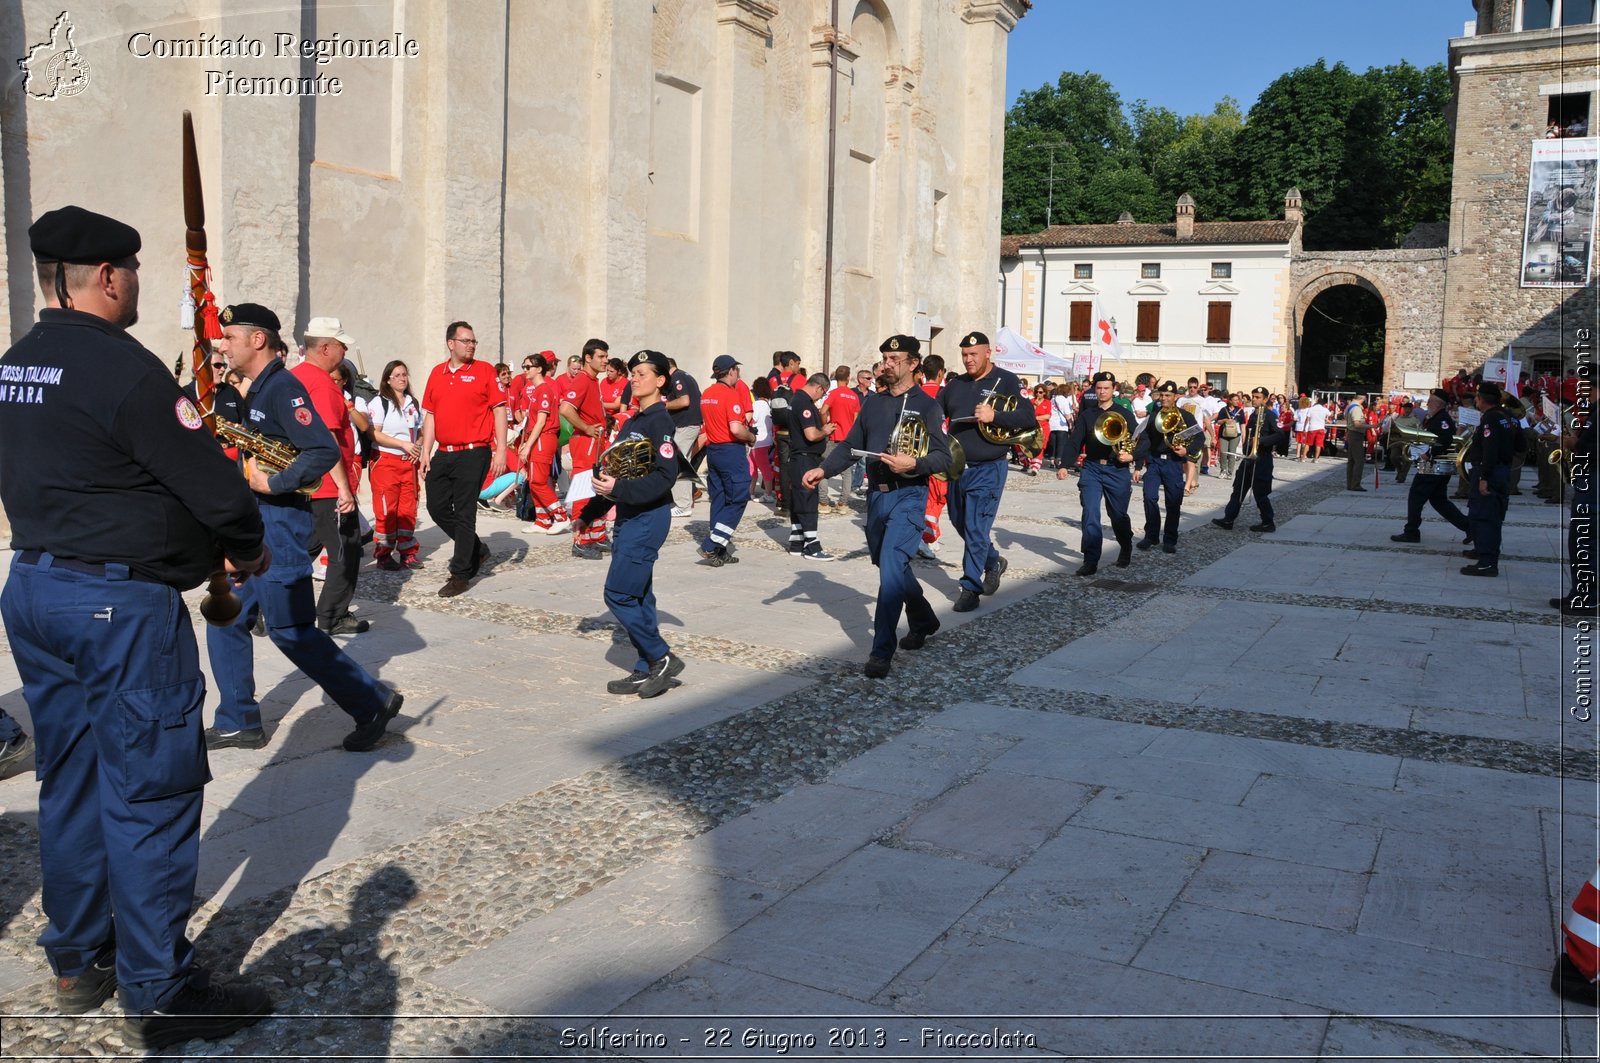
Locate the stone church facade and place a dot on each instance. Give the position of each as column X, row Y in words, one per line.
column 653, row 173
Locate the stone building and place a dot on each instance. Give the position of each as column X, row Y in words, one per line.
column 653, row 173
column 1522, row 65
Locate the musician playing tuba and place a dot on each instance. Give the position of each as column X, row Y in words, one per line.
column 1434, row 462
column 897, row 493
column 987, row 415
column 1164, row 447
column 1103, row 432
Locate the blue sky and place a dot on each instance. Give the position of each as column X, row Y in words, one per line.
column 1186, row 55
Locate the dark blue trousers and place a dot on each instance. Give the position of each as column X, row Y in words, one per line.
column 1114, row 483
column 974, row 501
column 111, row 674
column 1429, row 489
column 636, row 542
column 1163, row 476
column 285, row 598
column 728, row 479
column 1485, row 513
column 894, row 531
column 1254, row 476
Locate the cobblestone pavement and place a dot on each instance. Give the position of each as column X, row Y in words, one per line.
column 1268, row 779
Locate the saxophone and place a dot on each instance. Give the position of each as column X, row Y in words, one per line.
column 270, row 455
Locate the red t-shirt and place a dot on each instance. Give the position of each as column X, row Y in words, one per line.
column 462, row 402
column 583, row 392
column 547, row 400
column 721, row 403
column 844, row 405
column 932, row 390
column 521, row 395
column 611, row 390
column 328, row 401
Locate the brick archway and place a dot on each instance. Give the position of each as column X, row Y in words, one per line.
column 1410, row 284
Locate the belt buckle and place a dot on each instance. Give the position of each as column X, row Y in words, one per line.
column 883, row 487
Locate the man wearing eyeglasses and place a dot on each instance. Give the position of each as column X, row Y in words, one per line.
column 226, row 401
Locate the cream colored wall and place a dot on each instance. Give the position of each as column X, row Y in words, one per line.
column 507, row 181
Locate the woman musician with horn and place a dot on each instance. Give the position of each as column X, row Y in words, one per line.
column 988, row 415
column 899, row 431
column 1103, row 431
column 1261, row 436
column 1164, row 444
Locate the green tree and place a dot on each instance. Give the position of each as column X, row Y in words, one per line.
column 1058, row 137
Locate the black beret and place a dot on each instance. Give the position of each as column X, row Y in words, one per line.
column 975, row 339
column 909, row 344
column 655, row 359
column 1168, row 385
column 1258, row 390
column 253, row 314
column 1104, row 374
column 72, row 234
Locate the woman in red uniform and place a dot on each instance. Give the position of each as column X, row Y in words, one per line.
column 396, row 421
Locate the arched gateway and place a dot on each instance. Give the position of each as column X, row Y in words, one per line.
column 1410, row 284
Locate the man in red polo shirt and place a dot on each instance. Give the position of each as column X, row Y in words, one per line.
column 841, row 405
column 464, row 413
column 725, row 409
column 581, row 406
column 333, row 507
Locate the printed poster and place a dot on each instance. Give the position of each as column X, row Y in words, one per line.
column 1558, row 238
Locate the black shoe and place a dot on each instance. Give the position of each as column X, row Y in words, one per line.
column 390, row 563
column 915, row 640
column 1406, row 537
column 1145, row 544
column 966, row 601
column 587, row 551
column 1124, row 554
column 602, row 544
column 14, row 754
column 628, row 684
column 1467, row 540
column 991, row 577
column 453, row 586
column 1225, row 525
column 661, row 675
column 1169, row 548
column 1470, row 553
column 795, row 549
column 1570, row 608
column 1355, row 488
column 875, row 668
column 367, row 735
column 347, row 625
column 1264, row 527
column 259, row 628
column 1086, row 569
column 84, row 992
column 1478, row 570
column 248, row 738
column 816, row 553
column 1567, row 980
column 709, row 558
column 198, row 1011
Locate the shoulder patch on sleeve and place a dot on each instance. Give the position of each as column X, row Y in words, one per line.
column 188, row 415
column 666, row 449
column 303, row 415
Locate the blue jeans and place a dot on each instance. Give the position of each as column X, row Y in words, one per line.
column 111, row 673
column 1114, row 483
column 894, row 531
column 974, row 501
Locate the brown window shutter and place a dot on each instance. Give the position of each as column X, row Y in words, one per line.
column 1078, row 322
column 1149, row 330
column 1219, row 322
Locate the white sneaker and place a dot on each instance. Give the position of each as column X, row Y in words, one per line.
column 679, row 511
column 560, row 527
column 927, row 550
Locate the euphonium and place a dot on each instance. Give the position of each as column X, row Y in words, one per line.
column 995, row 433
column 628, row 460
column 1112, row 431
column 271, row 456
column 1170, row 422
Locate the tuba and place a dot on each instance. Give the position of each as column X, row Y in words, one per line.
column 270, row 455
column 628, row 460
column 1112, row 431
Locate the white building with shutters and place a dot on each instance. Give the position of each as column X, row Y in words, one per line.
column 1200, row 299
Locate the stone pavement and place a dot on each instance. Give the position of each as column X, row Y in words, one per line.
column 1270, row 797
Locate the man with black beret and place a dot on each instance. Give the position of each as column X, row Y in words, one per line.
column 109, row 665
column 1254, row 476
column 1106, row 473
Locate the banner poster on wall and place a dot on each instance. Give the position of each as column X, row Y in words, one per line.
column 1559, row 235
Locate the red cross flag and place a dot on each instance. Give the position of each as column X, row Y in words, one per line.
column 1102, row 333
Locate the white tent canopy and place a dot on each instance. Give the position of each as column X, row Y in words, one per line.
column 1013, row 352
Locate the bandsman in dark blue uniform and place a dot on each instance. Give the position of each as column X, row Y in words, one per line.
column 975, row 495
column 278, row 408
column 1254, row 475
column 1488, row 467
column 1107, row 473
column 644, row 516
column 1165, row 471
column 119, row 500
column 1428, row 487
column 897, row 496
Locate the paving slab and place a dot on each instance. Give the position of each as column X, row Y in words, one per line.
column 853, row 928
column 997, row 818
column 1334, row 529
column 921, row 763
column 1277, row 889
column 1276, row 758
column 1142, row 772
